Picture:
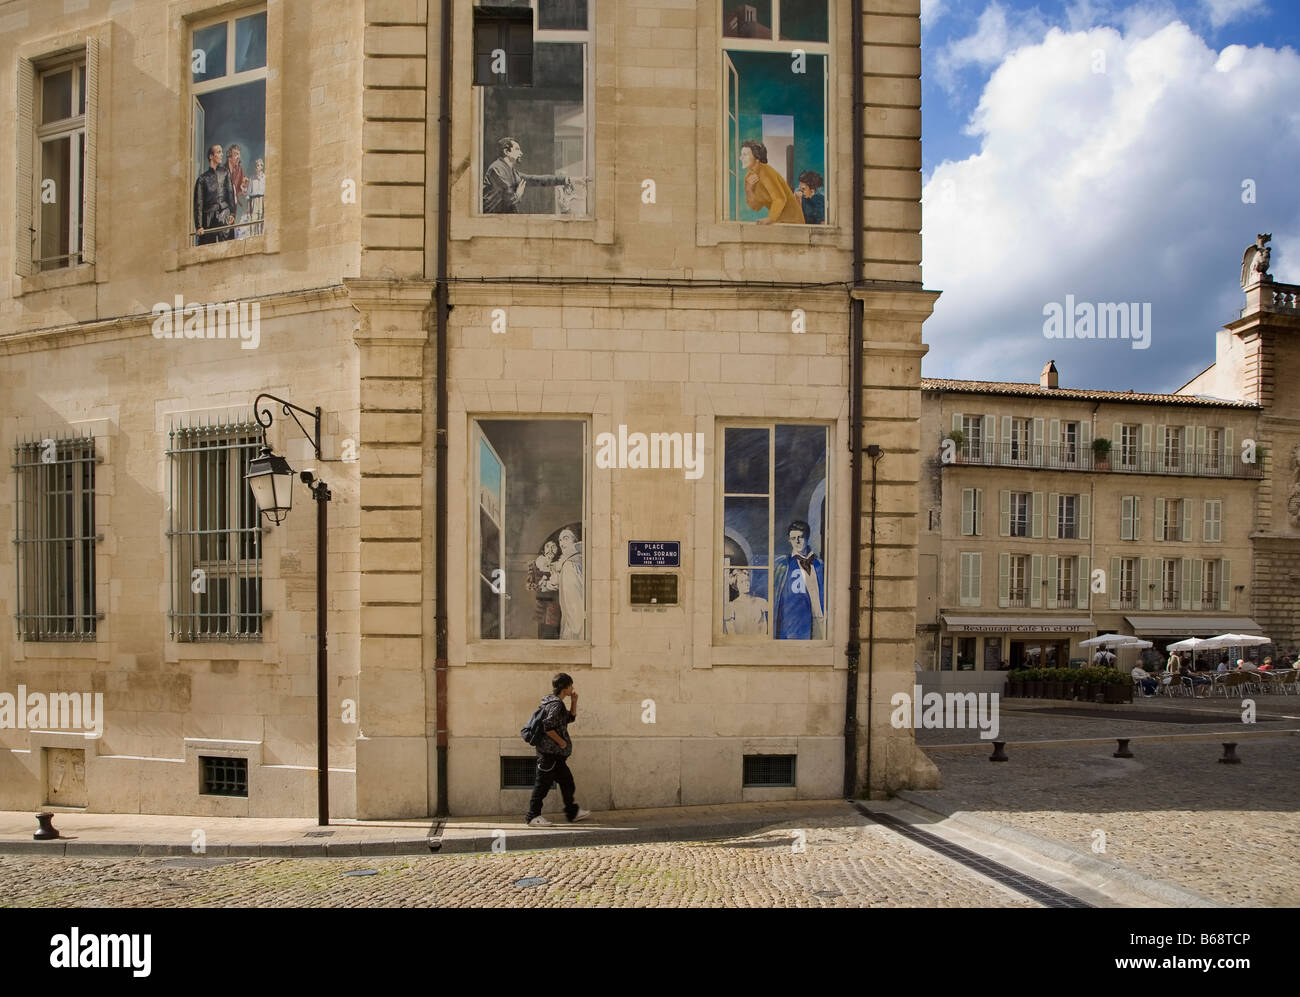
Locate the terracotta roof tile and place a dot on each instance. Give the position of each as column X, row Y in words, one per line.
column 1029, row 390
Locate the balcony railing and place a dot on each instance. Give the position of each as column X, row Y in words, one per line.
column 1058, row 457
column 1066, row 595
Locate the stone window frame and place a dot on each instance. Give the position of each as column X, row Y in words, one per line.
column 184, row 16
column 711, row 227
column 467, row 222
column 92, row 43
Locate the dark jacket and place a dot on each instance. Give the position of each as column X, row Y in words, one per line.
column 500, row 182
column 214, row 199
column 556, row 717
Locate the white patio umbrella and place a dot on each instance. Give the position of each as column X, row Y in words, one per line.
column 1239, row 640
column 1111, row 640
column 1195, row 644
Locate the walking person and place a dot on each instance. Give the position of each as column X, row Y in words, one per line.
column 553, row 752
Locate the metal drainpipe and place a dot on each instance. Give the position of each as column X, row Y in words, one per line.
column 440, row 429
column 853, row 649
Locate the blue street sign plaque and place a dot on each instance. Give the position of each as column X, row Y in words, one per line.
column 654, row 553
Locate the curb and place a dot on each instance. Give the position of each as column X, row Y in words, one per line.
column 1078, row 864
column 561, row 837
column 1248, row 735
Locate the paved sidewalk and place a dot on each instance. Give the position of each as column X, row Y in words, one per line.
column 94, row 834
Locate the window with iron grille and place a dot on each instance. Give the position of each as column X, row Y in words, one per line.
column 518, row 772
column 54, row 539
column 769, row 770
column 223, row 776
column 215, row 534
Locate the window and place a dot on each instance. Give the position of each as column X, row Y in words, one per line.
column 1019, row 525
column 1067, row 523
column 1169, row 582
column 1212, row 531
column 972, row 427
column 60, row 165
column 530, row 492
column 534, row 115
column 972, row 511
column 228, row 127
column 768, row 770
column 1169, row 518
column 1126, row 578
column 774, row 499
column 518, row 772
column 1018, row 580
column 1130, row 517
column 54, row 533
column 1173, row 448
column 223, row 776
column 215, row 534
column 966, row 654
column 774, row 79
column 1210, row 584
column 1018, row 442
column 1130, row 438
column 970, row 580
column 1069, row 442
column 1065, row 581
column 1214, row 449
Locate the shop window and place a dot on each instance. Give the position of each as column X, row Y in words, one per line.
column 775, row 56
column 533, row 64
column 529, row 529
column 775, row 532
column 966, row 654
column 228, row 127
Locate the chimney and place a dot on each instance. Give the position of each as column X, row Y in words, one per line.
column 1047, row 379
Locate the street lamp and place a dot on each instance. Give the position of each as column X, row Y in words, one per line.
column 271, row 480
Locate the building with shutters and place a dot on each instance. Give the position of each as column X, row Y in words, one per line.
column 1033, row 539
column 595, row 386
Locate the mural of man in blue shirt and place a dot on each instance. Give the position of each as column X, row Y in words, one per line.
column 799, row 586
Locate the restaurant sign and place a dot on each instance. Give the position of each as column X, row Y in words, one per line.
column 1020, row 628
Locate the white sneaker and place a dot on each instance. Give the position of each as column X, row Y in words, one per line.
column 540, row 821
column 581, row 815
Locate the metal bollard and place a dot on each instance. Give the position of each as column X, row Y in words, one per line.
column 1123, row 751
column 47, row 831
column 1230, row 754
column 999, row 754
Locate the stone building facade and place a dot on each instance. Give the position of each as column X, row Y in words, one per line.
column 642, row 295
column 1033, row 540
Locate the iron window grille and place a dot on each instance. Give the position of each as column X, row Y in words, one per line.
column 769, row 770
column 54, row 539
column 215, row 534
column 223, row 776
column 518, row 772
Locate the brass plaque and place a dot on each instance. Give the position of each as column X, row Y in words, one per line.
column 654, row 590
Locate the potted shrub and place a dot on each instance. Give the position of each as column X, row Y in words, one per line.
column 959, row 441
column 1035, row 683
column 1118, row 689
column 1016, row 683
column 1054, row 683
column 1101, row 453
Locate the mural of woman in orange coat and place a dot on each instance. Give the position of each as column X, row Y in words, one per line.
column 766, row 188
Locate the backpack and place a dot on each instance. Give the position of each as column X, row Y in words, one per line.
column 532, row 732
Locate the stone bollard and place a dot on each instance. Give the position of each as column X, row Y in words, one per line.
column 1123, row 751
column 1230, row 754
column 47, row 831
column 999, row 754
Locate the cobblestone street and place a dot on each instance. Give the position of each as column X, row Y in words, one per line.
column 843, row 863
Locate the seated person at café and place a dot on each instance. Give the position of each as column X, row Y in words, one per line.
column 1149, row 685
column 1177, row 673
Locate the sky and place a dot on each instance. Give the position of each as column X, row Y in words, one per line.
column 1114, row 152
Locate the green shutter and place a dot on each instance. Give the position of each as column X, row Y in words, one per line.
column 1004, row 580
column 1004, row 513
column 1036, row 580
column 1052, row 564
column 1225, row 584
column 1085, row 517
column 1084, row 599
column 88, row 183
column 24, row 199
column 1114, row 583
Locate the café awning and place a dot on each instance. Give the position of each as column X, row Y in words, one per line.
column 1020, row 624
column 1191, row 626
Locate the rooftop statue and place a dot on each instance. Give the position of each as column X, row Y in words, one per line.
column 1254, row 263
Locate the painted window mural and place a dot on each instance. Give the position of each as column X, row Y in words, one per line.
column 774, row 532
column 774, row 79
column 534, row 123
column 228, row 127
column 530, row 508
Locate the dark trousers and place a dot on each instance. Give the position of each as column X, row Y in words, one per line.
column 550, row 770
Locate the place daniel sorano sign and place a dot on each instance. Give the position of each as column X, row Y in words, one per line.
column 1019, row 628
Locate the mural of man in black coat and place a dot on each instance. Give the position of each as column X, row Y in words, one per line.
column 214, row 200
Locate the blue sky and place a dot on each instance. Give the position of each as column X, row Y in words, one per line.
column 1116, row 152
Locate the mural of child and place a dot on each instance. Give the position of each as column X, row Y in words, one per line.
column 256, row 197
column 813, row 202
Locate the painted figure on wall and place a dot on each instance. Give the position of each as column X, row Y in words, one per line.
column 799, row 583
column 810, row 199
column 214, row 200
column 766, row 188
column 238, row 182
column 567, row 579
column 540, row 582
column 503, row 184
column 744, row 613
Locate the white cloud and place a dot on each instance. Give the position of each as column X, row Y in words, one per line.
column 931, row 11
column 1114, row 186
column 1222, row 12
column 992, row 40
